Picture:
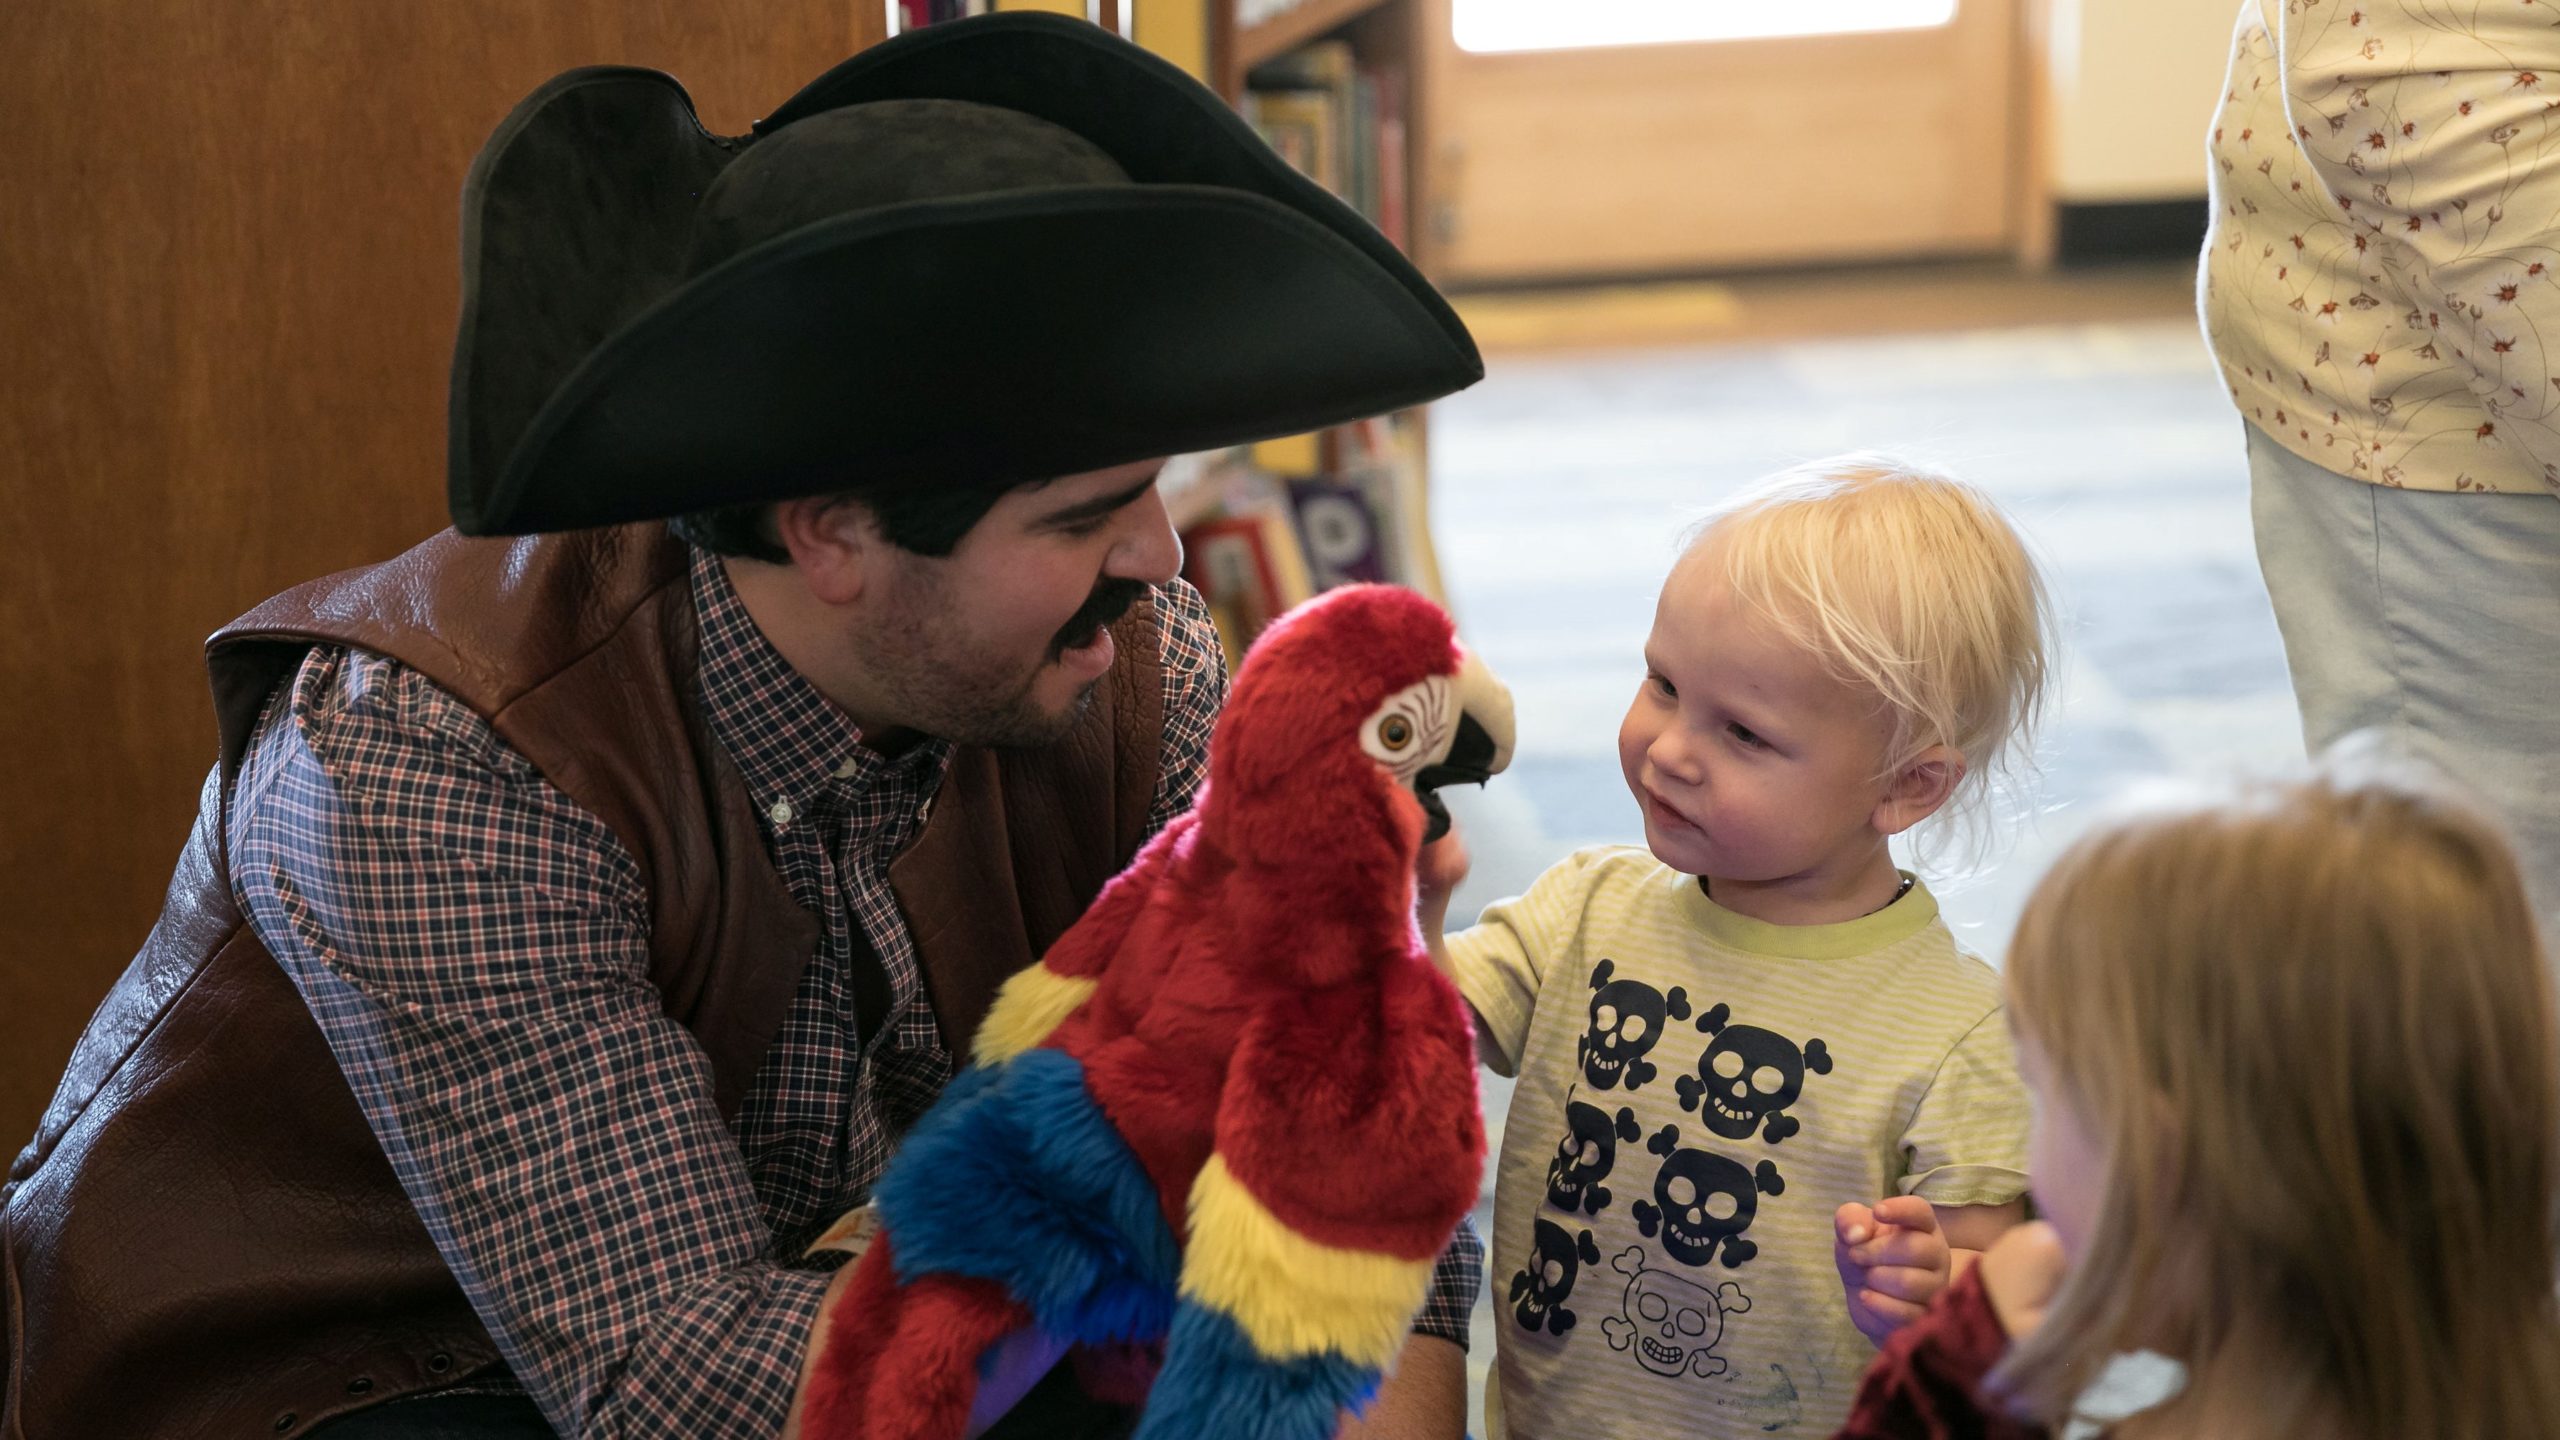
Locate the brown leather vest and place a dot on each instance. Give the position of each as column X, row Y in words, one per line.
column 205, row 1238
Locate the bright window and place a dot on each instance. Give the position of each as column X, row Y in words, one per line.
column 1494, row 25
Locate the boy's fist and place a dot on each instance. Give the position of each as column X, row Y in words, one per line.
column 1891, row 1259
column 1437, row 873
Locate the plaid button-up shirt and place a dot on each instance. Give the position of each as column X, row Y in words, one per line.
column 474, row 947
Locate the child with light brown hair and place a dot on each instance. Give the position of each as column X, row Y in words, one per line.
column 1765, row 1104
column 2297, row 1090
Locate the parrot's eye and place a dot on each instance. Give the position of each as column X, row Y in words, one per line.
column 1395, row 732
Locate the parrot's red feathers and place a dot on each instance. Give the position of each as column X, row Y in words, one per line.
column 1233, row 1111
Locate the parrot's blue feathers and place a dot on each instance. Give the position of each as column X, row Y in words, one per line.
column 1016, row 1176
column 1216, row 1383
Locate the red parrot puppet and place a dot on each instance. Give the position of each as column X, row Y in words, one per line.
column 1232, row 1112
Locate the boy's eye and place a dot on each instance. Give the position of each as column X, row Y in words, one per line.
column 1744, row 734
column 1668, row 691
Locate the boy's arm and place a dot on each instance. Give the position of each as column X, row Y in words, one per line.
column 1500, row 963
column 1438, row 872
column 1971, row 1229
column 1967, row 1139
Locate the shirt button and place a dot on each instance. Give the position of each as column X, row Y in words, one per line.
column 780, row 814
column 848, row 769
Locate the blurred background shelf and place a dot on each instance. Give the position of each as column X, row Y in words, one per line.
column 1294, row 26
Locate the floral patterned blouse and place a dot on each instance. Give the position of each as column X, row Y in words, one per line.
column 2382, row 280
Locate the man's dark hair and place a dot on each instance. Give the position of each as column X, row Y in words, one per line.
column 926, row 519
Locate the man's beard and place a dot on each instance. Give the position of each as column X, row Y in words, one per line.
column 952, row 699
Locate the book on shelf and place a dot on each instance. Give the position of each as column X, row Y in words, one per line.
column 1301, row 126
column 1305, row 514
column 1360, row 516
column 1340, row 122
column 1248, row 565
column 1395, row 181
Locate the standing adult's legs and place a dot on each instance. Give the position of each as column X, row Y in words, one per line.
column 2431, row 616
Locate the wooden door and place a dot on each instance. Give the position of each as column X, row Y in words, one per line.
column 1664, row 158
column 228, row 241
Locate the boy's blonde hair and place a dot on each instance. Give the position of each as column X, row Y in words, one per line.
column 1910, row 584
column 2310, row 1026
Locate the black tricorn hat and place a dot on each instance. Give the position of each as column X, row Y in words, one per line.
column 1004, row 249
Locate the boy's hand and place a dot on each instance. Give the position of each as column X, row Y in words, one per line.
column 1891, row 1259
column 1437, row 873
column 2021, row 1271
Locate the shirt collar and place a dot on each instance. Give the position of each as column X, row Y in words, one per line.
column 1907, row 915
column 798, row 752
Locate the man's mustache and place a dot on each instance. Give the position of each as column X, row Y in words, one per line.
column 1110, row 600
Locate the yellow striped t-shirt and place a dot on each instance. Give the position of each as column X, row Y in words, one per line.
column 1698, row 1092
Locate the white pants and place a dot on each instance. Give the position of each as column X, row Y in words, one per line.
column 2430, row 615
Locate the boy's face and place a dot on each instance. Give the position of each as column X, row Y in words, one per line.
column 1751, row 763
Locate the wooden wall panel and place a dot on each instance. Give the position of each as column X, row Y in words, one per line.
column 228, row 240
column 1688, row 157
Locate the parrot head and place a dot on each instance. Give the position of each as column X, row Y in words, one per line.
column 1345, row 719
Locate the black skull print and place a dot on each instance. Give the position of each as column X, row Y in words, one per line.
column 1586, row 1155
column 1748, row 1078
column 1539, row 1290
column 1627, row 1021
column 1702, row 1202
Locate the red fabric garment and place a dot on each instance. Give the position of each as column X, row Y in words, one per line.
column 1926, row 1384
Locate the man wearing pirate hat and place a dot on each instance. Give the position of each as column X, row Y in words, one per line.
column 574, row 920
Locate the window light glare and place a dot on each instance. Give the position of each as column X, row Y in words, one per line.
column 1493, row 26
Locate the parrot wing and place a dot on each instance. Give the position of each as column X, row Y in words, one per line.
column 1034, row 1002
column 1349, row 1146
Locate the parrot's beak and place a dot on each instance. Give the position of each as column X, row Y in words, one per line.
column 1479, row 750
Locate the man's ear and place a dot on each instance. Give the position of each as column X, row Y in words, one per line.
column 1915, row 791
column 833, row 543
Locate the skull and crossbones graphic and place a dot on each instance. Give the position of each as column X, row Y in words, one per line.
column 1538, row 1292
column 1586, row 1155
column 1702, row 1202
column 1627, row 1021
column 1748, row 1078
column 1671, row 1322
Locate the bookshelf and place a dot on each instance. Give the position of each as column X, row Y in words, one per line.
column 1296, row 25
column 1337, row 87
column 1278, row 45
